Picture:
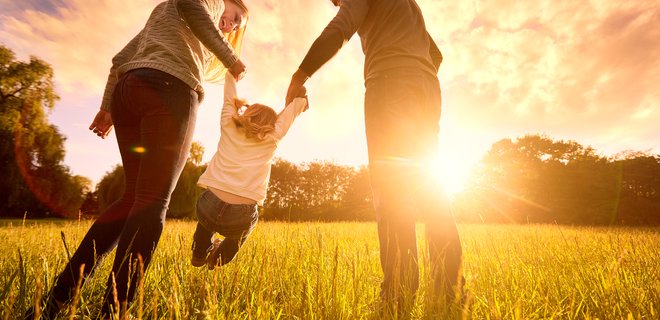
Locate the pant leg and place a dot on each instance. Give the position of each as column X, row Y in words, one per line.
column 202, row 240
column 389, row 105
column 402, row 114
column 234, row 222
column 207, row 209
column 166, row 109
column 103, row 235
column 445, row 250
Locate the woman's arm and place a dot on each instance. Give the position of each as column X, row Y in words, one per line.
column 199, row 21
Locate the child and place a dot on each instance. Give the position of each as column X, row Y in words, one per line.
column 237, row 176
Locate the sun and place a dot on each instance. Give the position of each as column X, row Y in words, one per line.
column 452, row 173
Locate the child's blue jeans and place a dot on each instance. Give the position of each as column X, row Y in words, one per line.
column 233, row 221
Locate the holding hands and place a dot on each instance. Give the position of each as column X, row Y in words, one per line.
column 302, row 93
column 238, row 70
column 296, row 87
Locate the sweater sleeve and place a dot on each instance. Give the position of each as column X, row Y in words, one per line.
column 434, row 51
column 229, row 108
column 286, row 117
column 119, row 59
column 340, row 29
column 197, row 17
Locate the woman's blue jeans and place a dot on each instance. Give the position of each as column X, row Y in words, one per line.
column 154, row 117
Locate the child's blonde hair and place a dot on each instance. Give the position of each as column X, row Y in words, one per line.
column 257, row 119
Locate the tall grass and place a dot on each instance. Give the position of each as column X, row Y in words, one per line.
column 332, row 271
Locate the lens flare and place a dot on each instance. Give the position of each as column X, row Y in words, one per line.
column 139, row 149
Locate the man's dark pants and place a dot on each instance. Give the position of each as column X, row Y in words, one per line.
column 402, row 114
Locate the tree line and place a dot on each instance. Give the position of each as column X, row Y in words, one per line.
column 34, row 179
column 312, row 191
column 537, row 179
column 531, row 179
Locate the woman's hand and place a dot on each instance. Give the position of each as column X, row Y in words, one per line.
column 102, row 124
column 238, row 70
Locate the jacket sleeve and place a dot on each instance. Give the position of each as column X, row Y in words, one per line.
column 342, row 27
column 434, row 51
column 197, row 17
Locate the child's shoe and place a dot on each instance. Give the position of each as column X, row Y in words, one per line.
column 198, row 261
column 214, row 259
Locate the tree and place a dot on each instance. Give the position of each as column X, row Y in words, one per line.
column 283, row 192
column 110, row 188
column 36, row 182
column 537, row 179
column 184, row 196
column 318, row 190
column 638, row 200
column 186, row 192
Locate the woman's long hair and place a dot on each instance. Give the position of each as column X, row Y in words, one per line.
column 257, row 119
column 215, row 70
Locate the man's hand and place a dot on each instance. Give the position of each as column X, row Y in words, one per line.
column 297, row 81
column 238, row 70
column 102, row 124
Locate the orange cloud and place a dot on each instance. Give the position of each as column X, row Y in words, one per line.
column 587, row 71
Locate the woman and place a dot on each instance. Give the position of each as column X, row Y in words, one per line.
column 151, row 97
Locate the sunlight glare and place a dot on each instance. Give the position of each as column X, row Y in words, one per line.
column 452, row 173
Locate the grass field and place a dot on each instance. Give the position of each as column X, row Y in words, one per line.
column 332, row 271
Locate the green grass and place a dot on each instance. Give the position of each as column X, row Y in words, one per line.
column 332, row 271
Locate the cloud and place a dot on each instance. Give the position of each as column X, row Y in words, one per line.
column 77, row 37
column 585, row 70
column 581, row 70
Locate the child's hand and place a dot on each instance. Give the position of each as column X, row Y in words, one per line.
column 238, row 70
column 302, row 93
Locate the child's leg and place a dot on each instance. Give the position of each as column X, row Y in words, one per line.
column 236, row 225
column 202, row 241
column 208, row 208
column 229, row 248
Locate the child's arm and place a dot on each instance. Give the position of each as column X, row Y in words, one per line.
column 229, row 107
column 196, row 16
column 290, row 112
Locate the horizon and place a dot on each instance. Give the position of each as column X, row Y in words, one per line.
column 570, row 71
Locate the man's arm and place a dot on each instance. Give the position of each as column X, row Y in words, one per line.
column 340, row 29
column 334, row 36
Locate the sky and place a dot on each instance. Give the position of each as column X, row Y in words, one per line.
column 587, row 71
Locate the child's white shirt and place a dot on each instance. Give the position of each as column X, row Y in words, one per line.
column 241, row 165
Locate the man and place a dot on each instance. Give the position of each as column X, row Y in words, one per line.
column 402, row 113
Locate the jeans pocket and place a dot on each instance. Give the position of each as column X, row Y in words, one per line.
column 237, row 222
